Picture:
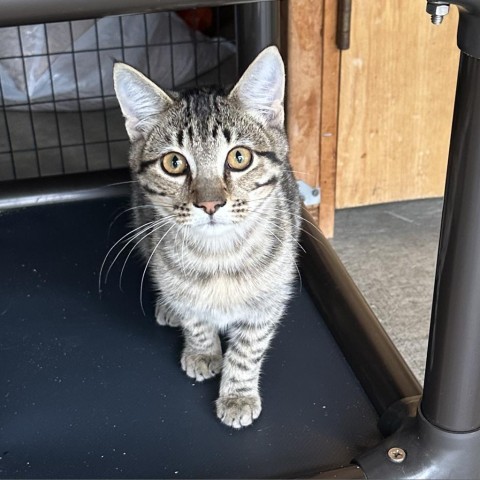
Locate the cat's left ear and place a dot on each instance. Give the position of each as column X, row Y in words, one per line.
column 261, row 88
column 139, row 98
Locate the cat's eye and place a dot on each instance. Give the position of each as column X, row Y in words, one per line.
column 174, row 163
column 239, row 158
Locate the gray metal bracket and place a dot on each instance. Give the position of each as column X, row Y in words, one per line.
column 421, row 450
column 311, row 196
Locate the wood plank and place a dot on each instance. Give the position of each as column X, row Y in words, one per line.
column 329, row 118
column 304, row 76
column 396, row 103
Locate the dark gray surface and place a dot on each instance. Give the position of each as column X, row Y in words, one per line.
column 376, row 361
column 390, row 251
column 91, row 388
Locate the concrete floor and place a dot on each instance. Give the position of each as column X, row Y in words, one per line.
column 390, row 251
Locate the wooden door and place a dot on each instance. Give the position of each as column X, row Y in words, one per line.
column 371, row 124
column 397, row 88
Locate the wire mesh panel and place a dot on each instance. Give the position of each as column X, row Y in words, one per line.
column 59, row 113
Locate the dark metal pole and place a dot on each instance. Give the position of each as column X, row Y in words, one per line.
column 452, row 383
column 258, row 26
column 22, row 12
column 443, row 440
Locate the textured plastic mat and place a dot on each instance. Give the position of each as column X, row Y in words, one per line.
column 90, row 387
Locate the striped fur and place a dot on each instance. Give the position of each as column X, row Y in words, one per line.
column 230, row 272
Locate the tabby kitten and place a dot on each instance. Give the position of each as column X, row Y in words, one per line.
column 215, row 196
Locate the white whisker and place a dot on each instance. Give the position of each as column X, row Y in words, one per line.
column 126, row 211
column 155, row 228
column 119, row 183
column 183, row 254
column 150, row 226
column 112, row 248
column 135, row 233
column 146, row 266
column 299, row 216
column 315, row 227
column 283, row 243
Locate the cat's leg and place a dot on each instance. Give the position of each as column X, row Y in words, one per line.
column 239, row 403
column 202, row 353
column 165, row 316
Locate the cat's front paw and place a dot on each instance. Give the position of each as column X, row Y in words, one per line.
column 165, row 318
column 238, row 412
column 201, row 366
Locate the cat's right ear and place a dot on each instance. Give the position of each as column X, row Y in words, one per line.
column 139, row 98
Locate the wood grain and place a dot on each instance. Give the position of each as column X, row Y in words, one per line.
column 329, row 118
column 396, row 103
column 304, row 76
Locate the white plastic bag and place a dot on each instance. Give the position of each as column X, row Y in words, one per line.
column 70, row 63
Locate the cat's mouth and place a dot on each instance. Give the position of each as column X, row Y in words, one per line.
column 213, row 223
column 214, row 226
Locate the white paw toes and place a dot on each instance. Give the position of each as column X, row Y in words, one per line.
column 238, row 412
column 166, row 319
column 201, row 366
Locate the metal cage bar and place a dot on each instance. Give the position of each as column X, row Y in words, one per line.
column 22, row 12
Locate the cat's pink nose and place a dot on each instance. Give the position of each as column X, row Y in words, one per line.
column 210, row 207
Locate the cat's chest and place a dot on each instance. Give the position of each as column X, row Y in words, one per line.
column 224, row 285
column 222, row 296
column 218, row 269
column 219, row 285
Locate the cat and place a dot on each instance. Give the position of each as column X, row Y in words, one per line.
column 214, row 193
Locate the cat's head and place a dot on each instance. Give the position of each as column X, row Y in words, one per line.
column 207, row 157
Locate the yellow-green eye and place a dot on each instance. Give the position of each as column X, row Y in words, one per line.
column 239, row 158
column 174, row 163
